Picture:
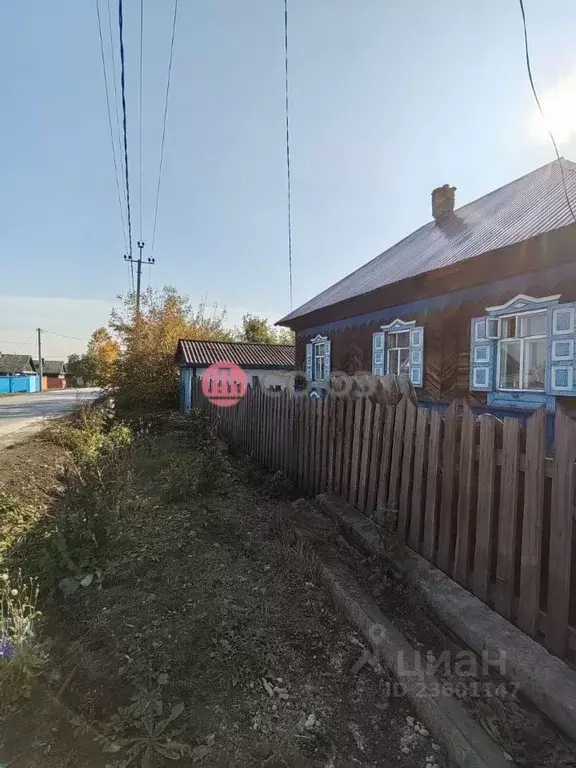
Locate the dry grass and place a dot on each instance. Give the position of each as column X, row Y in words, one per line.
column 205, row 601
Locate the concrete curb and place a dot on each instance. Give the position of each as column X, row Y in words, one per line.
column 545, row 680
column 467, row 744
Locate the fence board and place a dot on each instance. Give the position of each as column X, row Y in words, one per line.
column 340, row 415
column 532, row 522
column 397, row 448
column 431, row 512
column 325, row 436
column 375, row 458
column 356, row 445
column 387, row 440
column 296, row 441
column 420, row 445
column 366, row 448
column 347, row 453
column 312, row 447
column 302, row 439
column 508, row 517
column 446, row 535
column 331, row 439
column 407, row 467
column 319, row 428
column 561, row 516
column 464, row 528
column 306, row 443
column 485, row 509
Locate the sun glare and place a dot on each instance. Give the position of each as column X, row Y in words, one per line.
column 559, row 107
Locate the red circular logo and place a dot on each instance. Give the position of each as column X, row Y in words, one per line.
column 224, row 384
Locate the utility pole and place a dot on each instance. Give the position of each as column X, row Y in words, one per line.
column 138, row 263
column 40, row 366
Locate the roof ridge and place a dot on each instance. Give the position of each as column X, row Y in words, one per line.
column 253, row 343
column 515, row 181
column 540, row 188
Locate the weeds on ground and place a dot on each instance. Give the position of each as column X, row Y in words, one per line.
column 277, row 485
column 16, row 520
column 22, row 656
column 88, row 433
column 154, row 737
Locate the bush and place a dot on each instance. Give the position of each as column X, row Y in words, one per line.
column 88, row 433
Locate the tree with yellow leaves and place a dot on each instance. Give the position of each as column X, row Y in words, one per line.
column 144, row 374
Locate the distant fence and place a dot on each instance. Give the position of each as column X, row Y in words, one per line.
column 477, row 496
column 12, row 384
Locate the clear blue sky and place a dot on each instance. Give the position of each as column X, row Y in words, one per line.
column 389, row 99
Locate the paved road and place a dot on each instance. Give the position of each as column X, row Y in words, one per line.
column 21, row 415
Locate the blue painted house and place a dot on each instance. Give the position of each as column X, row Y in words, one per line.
column 480, row 302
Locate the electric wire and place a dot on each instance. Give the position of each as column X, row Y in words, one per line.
column 110, row 121
column 535, row 93
column 130, row 265
column 140, row 116
column 166, row 101
column 63, row 336
column 288, row 174
column 124, row 122
column 20, row 344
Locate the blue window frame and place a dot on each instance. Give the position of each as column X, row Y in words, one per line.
column 525, row 348
column 398, row 348
column 318, row 359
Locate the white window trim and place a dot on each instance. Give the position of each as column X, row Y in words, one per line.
column 484, row 359
column 478, row 369
column 392, row 349
column 569, row 369
column 570, row 311
column 522, row 341
column 398, row 326
column 528, row 299
column 562, row 358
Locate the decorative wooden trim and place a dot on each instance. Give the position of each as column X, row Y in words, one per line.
column 398, row 324
column 524, row 302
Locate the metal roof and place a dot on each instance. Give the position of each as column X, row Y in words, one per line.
column 244, row 353
column 51, row 367
column 531, row 205
column 16, row 364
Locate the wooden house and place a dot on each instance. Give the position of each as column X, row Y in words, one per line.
column 53, row 373
column 478, row 303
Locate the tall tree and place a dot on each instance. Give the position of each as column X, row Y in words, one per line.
column 145, row 374
column 102, row 356
column 258, row 329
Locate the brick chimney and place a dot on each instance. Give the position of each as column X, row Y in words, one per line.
column 443, row 203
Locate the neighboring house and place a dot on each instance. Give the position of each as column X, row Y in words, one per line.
column 266, row 365
column 478, row 303
column 53, row 373
column 17, row 374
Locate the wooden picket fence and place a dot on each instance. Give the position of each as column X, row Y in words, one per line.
column 477, row 496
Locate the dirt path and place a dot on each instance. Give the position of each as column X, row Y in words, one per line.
column 208, row 606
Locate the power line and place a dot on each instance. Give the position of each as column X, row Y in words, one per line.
column 116, row 106
column 123, row 92
column 174, row 19
column 110, row 121
column 140, row 115
column 288, row 148
column 20, row 344
column 63, row 336
column 529, row 68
